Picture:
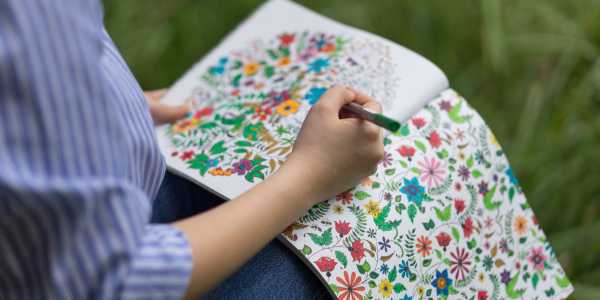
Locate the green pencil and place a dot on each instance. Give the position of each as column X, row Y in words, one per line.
column 375, row 118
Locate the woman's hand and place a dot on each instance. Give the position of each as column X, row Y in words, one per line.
column 162, row 113
column 332, row 154
column 329, row 156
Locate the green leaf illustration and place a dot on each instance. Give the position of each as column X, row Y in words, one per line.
column 420, row 145
column 535, row 279
column 563, row 282
column 269, row 71
column 455, row 234
column 511, row 193
column 412, row 212
column 341, row 257
column 444, row 215
column 399, row 288
column 199, row 162
column 243, row 143
column 404, row 130
column 306, row 250
column 452, row 290
column 429, row 224
column 487, row 200
column 323, row 239
column 392, row 274
column 453, row 114
column 470, row 162
column 427, row 262
column 472, row 244
column 361, row 195
column 208, row 125
column 442, row 154
column 382, row 224
column 372, row 284
column 510, row 288
column 218, row 148
column 364, row 268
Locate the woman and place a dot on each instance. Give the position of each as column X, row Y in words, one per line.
column 79, row 168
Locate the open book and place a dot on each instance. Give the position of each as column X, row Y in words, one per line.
column 443, row 216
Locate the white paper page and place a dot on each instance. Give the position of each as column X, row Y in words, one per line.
column 416, row 80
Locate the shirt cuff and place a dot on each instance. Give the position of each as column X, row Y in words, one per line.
column 163, row 266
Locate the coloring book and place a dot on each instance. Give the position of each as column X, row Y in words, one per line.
column 442, row 218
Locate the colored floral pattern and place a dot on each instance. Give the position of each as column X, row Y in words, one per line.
column 250, row 104
column 442, row 218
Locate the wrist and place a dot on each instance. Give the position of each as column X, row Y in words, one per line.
column 298, row 183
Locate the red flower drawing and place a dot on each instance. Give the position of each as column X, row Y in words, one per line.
column 357, row 250
column 207, row 111
column 325, row 264
column 187, row 155
column 286, row 39
column 459, row 205
column 345, row 197
column 418, row 122
column 406, row 151
column 342, row 227
column 443, row 239
column 482, row 295
column 423, row 245
column 468, row 227
column 434, row 139
column 350, row 287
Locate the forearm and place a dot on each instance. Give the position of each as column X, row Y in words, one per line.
column 224, row 238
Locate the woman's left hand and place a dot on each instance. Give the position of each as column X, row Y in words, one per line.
column 162, row 113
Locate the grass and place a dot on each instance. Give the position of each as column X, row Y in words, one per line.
column 531, row 68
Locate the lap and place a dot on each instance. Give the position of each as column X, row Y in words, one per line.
column 273, row 273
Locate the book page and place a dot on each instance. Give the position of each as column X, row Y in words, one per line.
column 442, row 218
column 252, row 92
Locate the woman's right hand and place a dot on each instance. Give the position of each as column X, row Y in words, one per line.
column 330, row 154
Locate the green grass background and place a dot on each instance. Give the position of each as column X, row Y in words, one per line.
column 531, row 68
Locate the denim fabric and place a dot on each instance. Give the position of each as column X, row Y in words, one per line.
column 274, row 273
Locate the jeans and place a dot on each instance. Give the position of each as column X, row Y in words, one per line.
column 273, row 273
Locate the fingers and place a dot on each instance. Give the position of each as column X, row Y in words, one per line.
column 155, row 95
column 335, row 98
column 366, row 101
column 162, row 113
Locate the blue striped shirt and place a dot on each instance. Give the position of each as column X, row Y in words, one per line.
column 79, row 164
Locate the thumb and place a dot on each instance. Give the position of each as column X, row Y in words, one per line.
column 162, row 113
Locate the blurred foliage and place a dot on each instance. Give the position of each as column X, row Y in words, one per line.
column 531, row 68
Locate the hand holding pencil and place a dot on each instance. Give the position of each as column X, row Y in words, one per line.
column 335, row 149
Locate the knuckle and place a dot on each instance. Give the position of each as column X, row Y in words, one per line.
column 324, row 103
column 336, row 88
column 378, row 107
column 372, row 133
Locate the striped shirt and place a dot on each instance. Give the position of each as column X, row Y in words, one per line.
column 79, row 164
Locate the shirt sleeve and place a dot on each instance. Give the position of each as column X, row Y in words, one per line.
column 162, row 267
column 78, row 165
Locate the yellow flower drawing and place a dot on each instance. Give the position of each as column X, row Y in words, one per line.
column 184, row 125
column 385, row 288
column 373, row 208
column 251, row 68
column 284, row 61
column 287, row 107
column 520, row 225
